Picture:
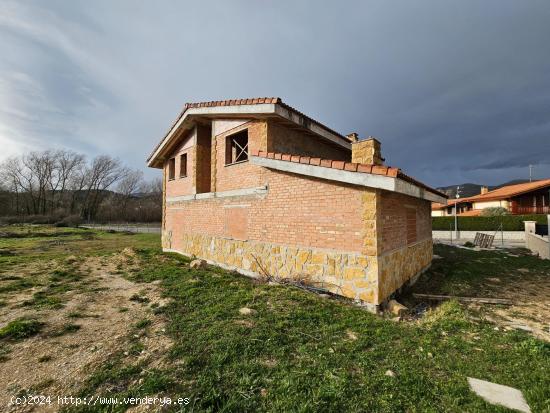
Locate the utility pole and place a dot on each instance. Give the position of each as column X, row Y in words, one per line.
column 530, row 173
column 456, row 205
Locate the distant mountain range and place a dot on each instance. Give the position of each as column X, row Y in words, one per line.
column 469, row 189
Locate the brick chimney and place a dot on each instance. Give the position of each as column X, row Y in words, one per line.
column 367, row 151
column 484, row 190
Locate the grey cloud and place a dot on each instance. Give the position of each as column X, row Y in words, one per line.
column 456, row 91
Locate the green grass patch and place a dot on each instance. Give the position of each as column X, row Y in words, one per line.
column 140, row 325
column 300, row 352
column 21, row 329
column 17, row 285
column 44, row 299
column 470, row 273
column 295, row 351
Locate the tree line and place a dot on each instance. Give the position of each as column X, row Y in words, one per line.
column 62, row 185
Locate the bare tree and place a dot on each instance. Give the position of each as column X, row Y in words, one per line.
column 127, row 187
column 100, row 176
column 51, row 185
column 68, row 164
column 11, row 175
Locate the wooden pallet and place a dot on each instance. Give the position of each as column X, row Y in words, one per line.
column 484, row 240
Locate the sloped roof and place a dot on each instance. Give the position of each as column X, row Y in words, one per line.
column 470, row 213
column 348, row 166
column 302, row 119
column 509, row 191
column 450, row 202
column 502, row 193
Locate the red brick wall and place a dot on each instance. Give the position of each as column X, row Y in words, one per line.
column 182, row 186
column 396, row 214
column 240, row 175
column 285, row 140
column 297, row 211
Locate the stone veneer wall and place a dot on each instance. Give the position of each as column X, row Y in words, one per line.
column 399, row 266
column 352, row 275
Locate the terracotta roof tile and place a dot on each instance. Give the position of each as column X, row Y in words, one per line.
column 504, row 192
column 510, row 191
column 365, row 168
column 470, row 213
column 350, row 166
column 379, row 170
column 338, row 164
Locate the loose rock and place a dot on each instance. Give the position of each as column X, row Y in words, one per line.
column 397, row 308
column 197, row 264
column 499, row 394
column 246, row 311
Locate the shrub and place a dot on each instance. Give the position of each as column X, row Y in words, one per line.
column 29, row 219
column 509, row 222
column 494, row 212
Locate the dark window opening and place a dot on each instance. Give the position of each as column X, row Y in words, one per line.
column 236, row 147
column 171, row 168
column 183, row 165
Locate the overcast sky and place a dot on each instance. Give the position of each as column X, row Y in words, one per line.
column 457, row 91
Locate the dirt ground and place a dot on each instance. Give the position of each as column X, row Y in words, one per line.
column 531, row 306
column 105, row 312
column 512, row 274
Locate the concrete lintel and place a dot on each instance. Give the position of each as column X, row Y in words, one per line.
column 205, row 195
column 410, row 189
column 180, row 198
column 233, row 110
column 261, row 190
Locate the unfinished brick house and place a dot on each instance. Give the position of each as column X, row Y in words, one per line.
column 256, row 186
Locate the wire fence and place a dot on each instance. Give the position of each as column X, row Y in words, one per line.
column 147, row 227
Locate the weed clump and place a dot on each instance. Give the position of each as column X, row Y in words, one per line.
column 20, row 329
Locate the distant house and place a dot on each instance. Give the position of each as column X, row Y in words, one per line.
column 526, row 198
column 258, row 187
